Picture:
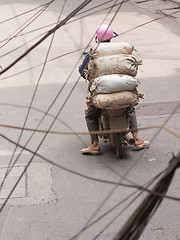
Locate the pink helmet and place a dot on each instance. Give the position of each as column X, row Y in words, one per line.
column 105, row 30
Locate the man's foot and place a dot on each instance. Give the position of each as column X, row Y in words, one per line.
column 139, row 144
column 93, row 149
column 90, row 151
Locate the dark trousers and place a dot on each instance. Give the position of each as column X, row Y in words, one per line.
column 92, row 115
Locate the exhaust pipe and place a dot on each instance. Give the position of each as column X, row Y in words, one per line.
column 129, row 139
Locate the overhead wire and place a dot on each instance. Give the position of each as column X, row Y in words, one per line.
column 164, row 16
column 37, row 85
column 121, row 177
column 44, row 37
column 50, row 60
column 19, row 140
column 61, row 23
column 26, row 24
column 39, row 124
column 91, row 223
column 49, row 25
column 148, row 199
column 152, row 139
column 118, row 34
column 136, row 161
column 139, row 193
column 135, row 225
column 19, row 35
column 136, row 186
column 21, row 14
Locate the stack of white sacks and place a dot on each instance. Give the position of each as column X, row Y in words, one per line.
column 113, row 69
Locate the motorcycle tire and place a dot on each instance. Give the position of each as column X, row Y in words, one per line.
column 118, row 145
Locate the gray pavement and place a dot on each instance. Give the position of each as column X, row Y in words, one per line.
column 176, row 1
column 54, row 201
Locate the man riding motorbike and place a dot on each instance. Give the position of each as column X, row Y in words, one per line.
column 105, row 33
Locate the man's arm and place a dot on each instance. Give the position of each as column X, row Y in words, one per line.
column 83, row 66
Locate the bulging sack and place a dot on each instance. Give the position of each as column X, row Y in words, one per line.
column 114, row 64
column 104, row 49
column 113, row 83
column 115, row 100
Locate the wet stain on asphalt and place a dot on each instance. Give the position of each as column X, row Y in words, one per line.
column 158, row 108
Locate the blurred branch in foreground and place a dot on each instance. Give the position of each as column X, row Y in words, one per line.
column 137, row 222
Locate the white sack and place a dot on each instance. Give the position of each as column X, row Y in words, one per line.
column 113, row 83
column 106, row 48
column 114, row 64
column 115, row 100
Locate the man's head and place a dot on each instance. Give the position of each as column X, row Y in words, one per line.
column 104, row 33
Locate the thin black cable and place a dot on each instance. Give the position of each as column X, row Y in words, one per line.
column 81, row 18
column 37, row 29
column 50, row 60
column 76, row 173
column 73, row 21
column 22, row 45
column 18, row 15
column 47, row 35
column 32, row 100
column 48, row 110
column 9, row 164
column 116, row 206
column 45, row 113
column 143, row 24
column 80, row 49
column 125, row 174
column 51, row 25
column 122, row 177
column 26, row 23
column 147, row 185
column 127, row 206
column 135, row 225
column 151, row 142
column 68, row 17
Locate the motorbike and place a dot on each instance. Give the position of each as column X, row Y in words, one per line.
column 111, row 120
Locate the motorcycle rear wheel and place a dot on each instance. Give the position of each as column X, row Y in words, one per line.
column 118, row 145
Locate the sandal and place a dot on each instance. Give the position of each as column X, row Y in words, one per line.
column 89, row 151
column 142, row 145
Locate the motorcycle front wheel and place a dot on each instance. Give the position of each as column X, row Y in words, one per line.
column 118, row 145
